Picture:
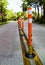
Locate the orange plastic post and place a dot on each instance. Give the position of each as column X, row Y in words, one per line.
column 19, row 22
column 23, row 23
column 30, row 29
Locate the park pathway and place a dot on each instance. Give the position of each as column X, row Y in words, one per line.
column 10, row 49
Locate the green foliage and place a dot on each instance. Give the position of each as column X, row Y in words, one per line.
column 43, row 1
column 7, row 14
column 26, row 15
column 11, row 15
column 24, row 7
column 28, row 1
column 42, row 20
column 3, row 5
column 19, row 14
column 2, row 23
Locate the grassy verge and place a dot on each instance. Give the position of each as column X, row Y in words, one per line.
column 2, row 23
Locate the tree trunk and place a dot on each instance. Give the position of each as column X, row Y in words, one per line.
column 44, row 9
column 35, row 12
column 2, row 18
column 1, row 12
column 38, row 10
column 41, row 10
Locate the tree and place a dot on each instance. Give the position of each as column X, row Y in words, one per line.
column 24, row 7
column 37, row 4
column 19, row 14
column 34, row 3
column 3, row 5
column 44, row 8
column 11, row 15
column 42, row 2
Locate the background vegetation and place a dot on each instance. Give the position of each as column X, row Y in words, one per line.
column 6, row 14
column 35, row 4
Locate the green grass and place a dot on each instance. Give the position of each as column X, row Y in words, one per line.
column 2, row 23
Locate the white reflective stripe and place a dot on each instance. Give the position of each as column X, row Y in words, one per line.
column 29, row 11
column 30, row 20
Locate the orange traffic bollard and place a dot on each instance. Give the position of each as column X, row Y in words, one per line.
column 19, row 22
column 30, row 30
column 23, row 23
column 30, row 54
